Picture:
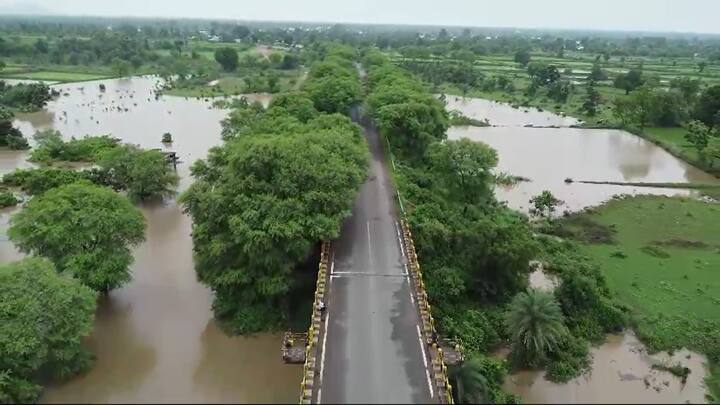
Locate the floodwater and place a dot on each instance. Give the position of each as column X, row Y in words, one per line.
column 155, row 339
column 502, row 114
column 547, row 156
column 621, row 373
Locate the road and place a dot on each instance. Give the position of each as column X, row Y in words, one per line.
column 371, row 350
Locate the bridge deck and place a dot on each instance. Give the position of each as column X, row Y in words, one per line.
column 372, row 349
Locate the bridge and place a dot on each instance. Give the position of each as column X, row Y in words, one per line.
column 372, row 337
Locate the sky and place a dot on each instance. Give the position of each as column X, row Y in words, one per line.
column 637, row 15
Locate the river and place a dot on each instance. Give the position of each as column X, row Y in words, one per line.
column 622, row 369
column 155, row 339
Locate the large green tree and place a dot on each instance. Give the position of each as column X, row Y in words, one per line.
column 466, row 166
column 43, row 318
column 262, row 202
column 144, row 174
column 536, row 326
column 86, row 230
column 708, row 106
column 412, row 126
column 227, row 58
column 10, row 136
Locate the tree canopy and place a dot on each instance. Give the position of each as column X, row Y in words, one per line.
column 283, row 181
column 85, row 230
column 43, row 318
column 227, row 58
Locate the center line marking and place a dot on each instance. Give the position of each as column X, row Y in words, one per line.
column 369, row 244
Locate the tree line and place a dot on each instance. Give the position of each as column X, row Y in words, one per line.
column 476, row 253
column 79, row 232
column 283, row 181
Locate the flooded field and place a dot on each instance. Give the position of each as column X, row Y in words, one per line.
column 155, row 339
column 622, row 370
column 502, row 114
column 621, row 373
column 547, row 156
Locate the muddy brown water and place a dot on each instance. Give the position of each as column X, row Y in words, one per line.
column 621, row 373
column 503, row 114
column 547, row 156
column 155, row 339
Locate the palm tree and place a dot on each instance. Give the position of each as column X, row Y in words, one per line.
column 536, row 325
column 470, row 386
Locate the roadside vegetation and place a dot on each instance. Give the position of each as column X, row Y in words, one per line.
column 476, row 253
column 283, row 181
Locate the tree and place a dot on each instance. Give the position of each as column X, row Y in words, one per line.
column 712, row 150
column 259, row 205
column 687, row 86
column 2, row 65
column 333, row 93
column 466, row 166
column 85, row 230
column 597, row 74
column 542, row 74
column 629, row 81
column 701, row 66
column 9, row 135
column 698, row 135
column 44, row 317
column 411, row 127
column 544, row 204
column 469, row 383
column 289, row 61
column 240, row 32
column 592, row 101
column 536, row 326
column 227, row 58
column 708, row 106
column 144, row 174
column 121, row 67
column 522, row 57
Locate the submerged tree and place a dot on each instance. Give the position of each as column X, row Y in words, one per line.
column 536, row 326
column 43, row 318
column 85, row 230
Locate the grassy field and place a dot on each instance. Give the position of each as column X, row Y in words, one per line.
column 664, row 263
column 64, row 77
column 233, row 84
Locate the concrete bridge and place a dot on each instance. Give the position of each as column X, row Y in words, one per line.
column 372, row 340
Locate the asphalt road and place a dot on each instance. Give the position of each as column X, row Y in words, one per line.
column 371, row 348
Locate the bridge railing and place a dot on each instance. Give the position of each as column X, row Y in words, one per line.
column 439, row 369
column 308, row 384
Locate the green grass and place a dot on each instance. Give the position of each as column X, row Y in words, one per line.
column 670, row 275
column 673, row 140
column 56, row 76
column 233, row 84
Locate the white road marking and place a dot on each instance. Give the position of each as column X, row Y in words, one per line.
column 322, row 358
column 411, row 298
column 319, row 395
column 370, row 254
column 427, row 372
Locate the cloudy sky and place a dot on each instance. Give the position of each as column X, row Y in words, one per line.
column 646, row 15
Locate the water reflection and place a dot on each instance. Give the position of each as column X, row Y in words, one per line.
column 548, row 156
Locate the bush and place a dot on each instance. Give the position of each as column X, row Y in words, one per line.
column 43, row 318
column 51, row 147
column 7, row 199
